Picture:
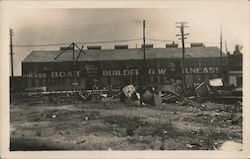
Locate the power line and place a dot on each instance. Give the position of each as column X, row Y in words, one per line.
column 94, row 25
column 89, row 42
column 37, row 45
column 187, row 42
column 111, row 41
column 163, row 40
column 114, row 41
column 59, row 29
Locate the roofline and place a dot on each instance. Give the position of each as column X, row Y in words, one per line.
column 127, row 59
column 113, row 49
column 106, row 49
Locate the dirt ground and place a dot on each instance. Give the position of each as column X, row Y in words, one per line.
column 124, row 126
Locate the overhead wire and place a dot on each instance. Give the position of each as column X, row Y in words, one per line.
column 88, row 42
column 94, row 24
column 111, row 41
column 107, row 25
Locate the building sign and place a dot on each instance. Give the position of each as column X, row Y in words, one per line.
column 53, row 74
column 119, row 72
column 34, row 75
column 159, row 71
column 201, row 70
column 62, row 74
column 125, row 72
column 134, row 72
column 91, row 69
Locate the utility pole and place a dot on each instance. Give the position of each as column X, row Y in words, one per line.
column 182, row 26
column 74, row 63
column 74, row 60
column 144, row 48
column 142, row 80
column 11, row 52
column 220, row 52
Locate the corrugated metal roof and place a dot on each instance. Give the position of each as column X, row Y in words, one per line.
column 120, row 54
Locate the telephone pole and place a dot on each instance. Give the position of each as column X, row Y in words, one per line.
column 182, row 26
column 11, row 52
column 220, row 52
column 142, row 80
column 74, row 67
column 144, row 48
column 74, row 60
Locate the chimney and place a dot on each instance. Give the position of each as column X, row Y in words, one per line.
column 147, row 46
column 66, row 48
column 121, row 46
column 94, row 47
column 237, row 49
column 196, row 45
column 173, row 45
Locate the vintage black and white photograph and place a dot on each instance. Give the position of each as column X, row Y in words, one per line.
column 110, row 79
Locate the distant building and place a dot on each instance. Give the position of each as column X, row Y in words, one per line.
column 110, row 67
column 235, row 67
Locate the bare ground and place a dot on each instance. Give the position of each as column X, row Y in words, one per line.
column 118, row 126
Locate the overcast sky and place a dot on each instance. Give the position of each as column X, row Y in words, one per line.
column 50, row 26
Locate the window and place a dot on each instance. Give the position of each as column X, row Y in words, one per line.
column 172, row 66
column 155, row 79
column 194, row 78
column 37, row 82
column 32, row 82
column 189, row 79
column 177, row 65
column 206, row 76
column 104, row 81
column 40, row 82
column 199, row 62
column 29, row 83
column 239, row 80
column 210, row 76
column 108, row 80
column 162, row 79
column 133, row 79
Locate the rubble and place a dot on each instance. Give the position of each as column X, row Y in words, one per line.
column 81, row 142
column 236, row 119
column 129, row 90
column 157, row 99
column 204, row 124
column 202, row 90
column 173, row 91
column 169, row 97
column 194, row 146
column 216, row 82
column 62, row 132
column 168, row 127
column 130, row 132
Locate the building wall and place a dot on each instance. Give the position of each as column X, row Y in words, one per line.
column 235, row 69
column 90, row 75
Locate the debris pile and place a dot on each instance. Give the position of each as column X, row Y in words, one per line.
column 212, row 90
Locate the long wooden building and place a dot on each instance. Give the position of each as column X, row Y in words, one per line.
column 110, row 67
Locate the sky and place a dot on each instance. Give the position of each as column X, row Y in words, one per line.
column 53, row 26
